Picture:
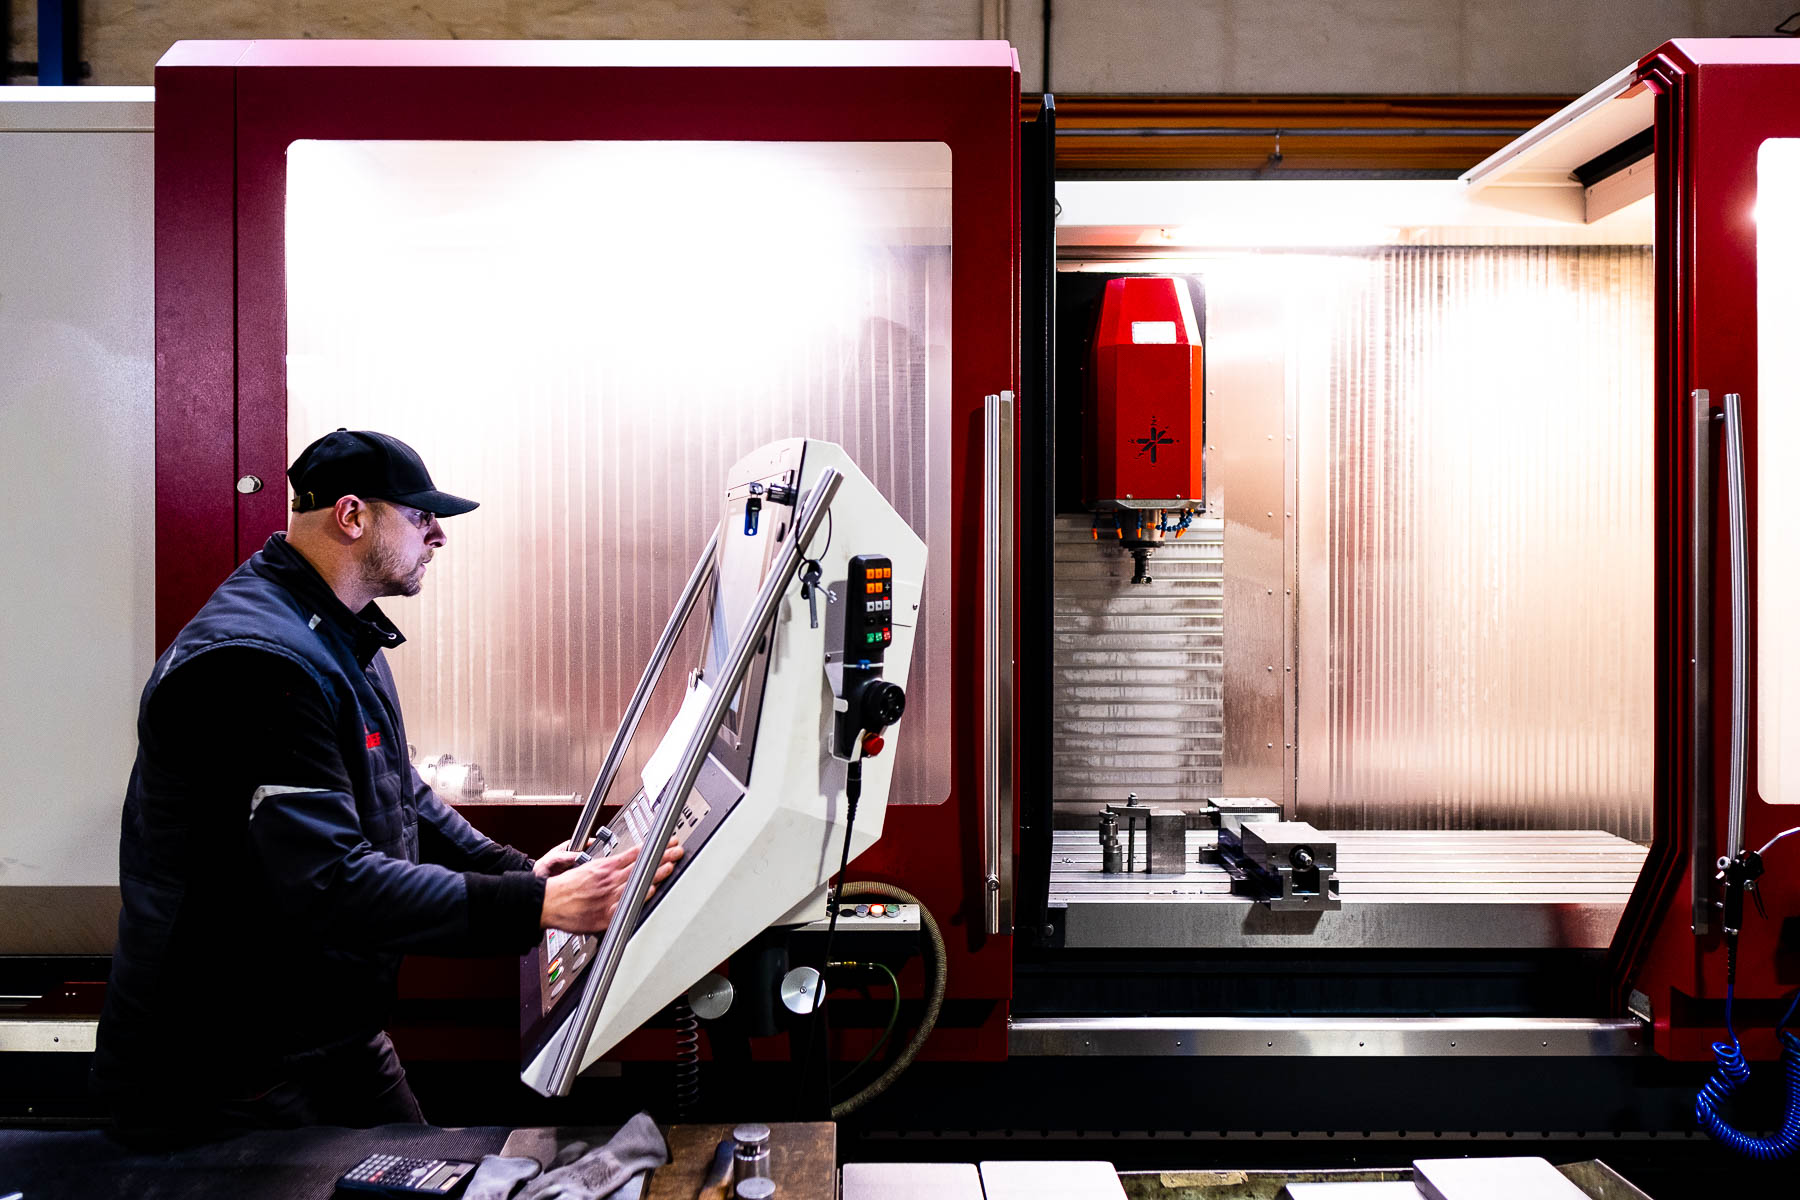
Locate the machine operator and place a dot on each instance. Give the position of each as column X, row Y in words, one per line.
column 279, row 853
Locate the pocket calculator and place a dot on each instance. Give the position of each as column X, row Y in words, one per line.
column 398, row 1175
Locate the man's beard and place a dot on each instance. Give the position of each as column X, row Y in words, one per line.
column 388, row 572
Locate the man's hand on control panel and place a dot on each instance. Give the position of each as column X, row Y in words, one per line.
column 556, row 861
column 582, row 898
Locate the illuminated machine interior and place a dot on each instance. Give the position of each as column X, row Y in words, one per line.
column 1417, row 725
column 809, row 595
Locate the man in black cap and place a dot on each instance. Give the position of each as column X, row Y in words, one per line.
column 279, row 853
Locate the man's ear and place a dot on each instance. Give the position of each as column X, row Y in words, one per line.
column 353, row 516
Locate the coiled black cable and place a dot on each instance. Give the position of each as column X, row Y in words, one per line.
column 687, row 1059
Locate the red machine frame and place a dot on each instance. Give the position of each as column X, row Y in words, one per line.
column 226, row 113
column 1717, row 100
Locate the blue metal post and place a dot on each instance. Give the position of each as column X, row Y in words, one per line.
column 59, row 52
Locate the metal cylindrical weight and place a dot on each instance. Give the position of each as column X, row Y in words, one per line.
column 760, row 1187
column 750, row 1160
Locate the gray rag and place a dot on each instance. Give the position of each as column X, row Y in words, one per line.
column 497, row 1178
column 635, row 1149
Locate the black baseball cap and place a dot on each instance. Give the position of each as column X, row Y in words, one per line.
column 374, row 466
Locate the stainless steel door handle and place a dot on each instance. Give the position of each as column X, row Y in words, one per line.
column 1700, row 731
column 998, row 548
column 1738, row 519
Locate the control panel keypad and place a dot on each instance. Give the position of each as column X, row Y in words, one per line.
column 870, row 629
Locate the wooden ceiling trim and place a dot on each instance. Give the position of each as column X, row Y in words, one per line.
column 1275, row 135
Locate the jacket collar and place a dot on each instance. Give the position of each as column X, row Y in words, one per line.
column 368, row 631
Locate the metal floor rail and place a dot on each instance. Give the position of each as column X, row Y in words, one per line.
column 1325, row 1037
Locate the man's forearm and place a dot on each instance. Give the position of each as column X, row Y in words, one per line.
column 447, row 838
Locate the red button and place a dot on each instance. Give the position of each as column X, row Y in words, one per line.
column 872, row 745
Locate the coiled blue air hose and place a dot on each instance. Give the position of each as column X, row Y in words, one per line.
column 1733, row 1072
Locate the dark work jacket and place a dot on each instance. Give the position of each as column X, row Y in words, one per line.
column 269, row 889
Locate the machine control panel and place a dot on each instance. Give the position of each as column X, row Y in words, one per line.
column 561, row 958
column 867, row 704
column 872, row 928
column 869, row 615
column 855, row 913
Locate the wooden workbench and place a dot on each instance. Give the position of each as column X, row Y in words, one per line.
column 304, row 1164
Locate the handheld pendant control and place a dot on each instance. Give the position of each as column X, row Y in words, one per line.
column 868, row 703
column 869, row 614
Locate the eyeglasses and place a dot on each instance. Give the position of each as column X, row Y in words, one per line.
column 419, row 517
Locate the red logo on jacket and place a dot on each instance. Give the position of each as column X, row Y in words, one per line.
column 371, row 738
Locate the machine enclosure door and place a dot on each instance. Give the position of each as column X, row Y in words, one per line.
column 227, row 113
column 1721, row 107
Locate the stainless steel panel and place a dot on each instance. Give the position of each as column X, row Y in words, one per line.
column 1484, row 579
column 1137, row 671
column 1414, row 889
column 1251, row 317
column 591, row 379
column 1313, row 620
column 47, row 1035
column 1321, row 1037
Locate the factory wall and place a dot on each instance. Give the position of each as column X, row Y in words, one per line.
column 1181, row 46
column 77, row 554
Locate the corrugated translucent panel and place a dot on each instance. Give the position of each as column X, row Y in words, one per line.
column 584, row 336
column 1487, row 564
column 1138, row 669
